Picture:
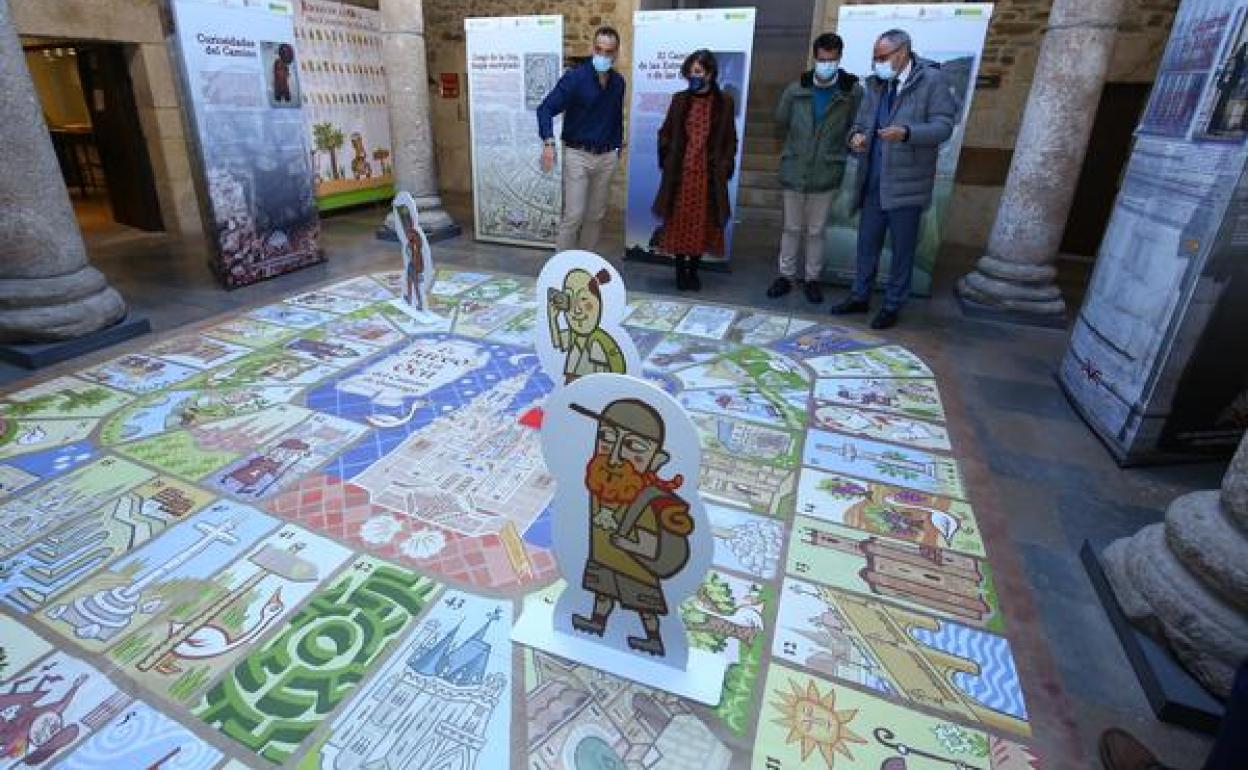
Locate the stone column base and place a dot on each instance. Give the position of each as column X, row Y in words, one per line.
column 57, row 308
column 1185, row 583
column 435, row 221
column 972, row 306
column 1016, row 292
column 39, row 355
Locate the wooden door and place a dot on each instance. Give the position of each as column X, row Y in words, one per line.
column 119, row 136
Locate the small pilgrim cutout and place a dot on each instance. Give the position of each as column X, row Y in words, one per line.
column 417, row 256
column 631, row 536
column 584, row 305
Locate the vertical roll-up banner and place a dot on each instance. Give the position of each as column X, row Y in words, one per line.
column 952, row 35
column 662, row 40
column 241, row 72
column 345, row 107
column 513, row 62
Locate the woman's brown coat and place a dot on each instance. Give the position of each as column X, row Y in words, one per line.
column 721, row 145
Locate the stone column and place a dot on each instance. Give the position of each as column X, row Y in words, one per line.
column 411, row 123
column 1015, row 278
column 48, row 291
column 1185, row 582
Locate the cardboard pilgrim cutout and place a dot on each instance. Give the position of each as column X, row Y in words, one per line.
column 417, row 257
column 631, row 536
column 583, row 301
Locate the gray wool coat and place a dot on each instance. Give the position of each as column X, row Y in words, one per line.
column 925, row 104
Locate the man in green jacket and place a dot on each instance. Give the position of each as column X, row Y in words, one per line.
column 814, row 116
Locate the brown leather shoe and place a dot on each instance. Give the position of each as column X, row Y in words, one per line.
column 1121, row 751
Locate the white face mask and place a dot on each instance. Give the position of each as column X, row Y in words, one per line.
column 826, row 70
column 883, row 70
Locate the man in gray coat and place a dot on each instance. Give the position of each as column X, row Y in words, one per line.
column 908, row 112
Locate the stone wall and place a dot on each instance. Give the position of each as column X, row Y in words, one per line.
column 444, row 35
column 1010, row 52
column 141, row 25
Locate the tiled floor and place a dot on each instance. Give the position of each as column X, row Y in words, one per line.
column 1040, row 481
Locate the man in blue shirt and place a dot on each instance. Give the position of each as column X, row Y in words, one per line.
column 591, row 99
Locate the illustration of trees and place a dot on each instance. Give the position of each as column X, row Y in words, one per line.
column 329, row 139
column 714, row 616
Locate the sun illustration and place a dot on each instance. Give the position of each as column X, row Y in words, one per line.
column 814, row 722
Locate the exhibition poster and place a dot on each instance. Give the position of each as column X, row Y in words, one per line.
column 662, row 41
column 241, row 75
column 513, row 62
column 346, row 114
column 951, row 34
column 1151, row 364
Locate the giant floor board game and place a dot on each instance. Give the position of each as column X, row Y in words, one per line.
column 301, row 536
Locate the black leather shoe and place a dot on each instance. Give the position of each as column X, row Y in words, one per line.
column 682, row 278
column 849, row 305
column 885, row 319
column 813, row 293
column 779, row 287
column 694, row 282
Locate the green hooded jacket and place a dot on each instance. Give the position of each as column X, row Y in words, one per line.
column 813, row 159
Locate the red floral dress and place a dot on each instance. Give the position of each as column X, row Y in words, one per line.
column 690, row 230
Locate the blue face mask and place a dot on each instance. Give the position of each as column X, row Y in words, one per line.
column 602, row 63
column 884, row 70
column 696, row 82
column 826, row 70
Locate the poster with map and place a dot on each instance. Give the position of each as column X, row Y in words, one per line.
column 513, row 62
column 346, row 112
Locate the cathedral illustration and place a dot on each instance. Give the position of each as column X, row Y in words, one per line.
column 431, row 713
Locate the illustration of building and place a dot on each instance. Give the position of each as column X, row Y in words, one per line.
column 604, row 721
column 922, row 672
column 946, row 581
column 434, row 712
column 258, row 473
column 725, row 478
column 471, row 471
column 755, row 440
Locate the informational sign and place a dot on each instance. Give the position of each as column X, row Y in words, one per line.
column 951, row 34
column 513, row 62
column 242, row 77
column 345, row 108
column 663, row 39
column 1154, row 363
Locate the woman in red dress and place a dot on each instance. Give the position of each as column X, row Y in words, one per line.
column 697, row 155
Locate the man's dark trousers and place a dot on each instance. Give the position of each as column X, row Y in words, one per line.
column 902, row 224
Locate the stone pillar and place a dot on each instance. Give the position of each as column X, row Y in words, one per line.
column 1185, row 582
column 1015, row 278
column 48, row 291
column 411, row 122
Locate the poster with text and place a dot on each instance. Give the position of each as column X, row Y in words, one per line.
column 663, row 39
column 951, row 34
column 242, row 77
column 513, row 62
column 1152, row 363
column 346, row 113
